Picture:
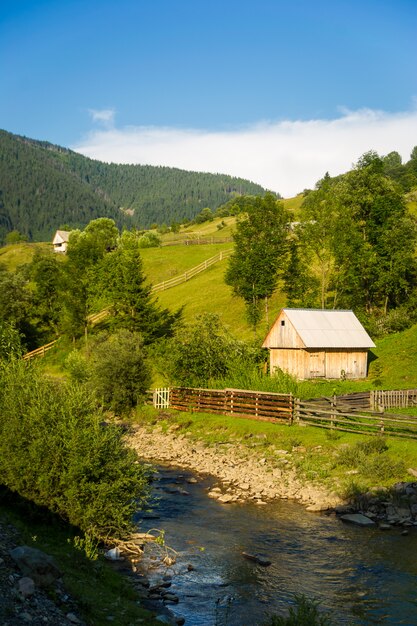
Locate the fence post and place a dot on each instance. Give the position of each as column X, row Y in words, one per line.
column 296, row 411
column 333, row 415
column 291, row 414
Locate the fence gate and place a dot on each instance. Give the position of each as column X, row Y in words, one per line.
column 161, row 398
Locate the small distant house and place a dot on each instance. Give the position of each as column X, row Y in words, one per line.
column 60, row 240
column 314, row 343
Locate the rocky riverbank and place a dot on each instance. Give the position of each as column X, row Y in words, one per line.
column 243, row 474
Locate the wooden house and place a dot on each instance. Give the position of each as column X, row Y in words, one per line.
column 60, row 240
column 314, row 343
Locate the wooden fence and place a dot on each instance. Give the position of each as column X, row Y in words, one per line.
column 347, row 413
column 269, row 407
column 177, row 280
column 395, row 399
column 39, row 351
column 196, row 241
column 365, row 423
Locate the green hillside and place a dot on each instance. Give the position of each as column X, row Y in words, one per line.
column 206, row 292
column 44, row 187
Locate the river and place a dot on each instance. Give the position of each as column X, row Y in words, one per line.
column 360, row 575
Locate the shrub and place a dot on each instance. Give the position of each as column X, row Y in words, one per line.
column 120, row 375
column 77, row 367
column 56, row 452
column 10, row 341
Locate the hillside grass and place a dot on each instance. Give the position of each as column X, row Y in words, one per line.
column 294, row 205
column 205, row 292
column 15, row 255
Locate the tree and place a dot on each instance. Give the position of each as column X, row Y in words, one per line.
column 317, row 244
column 15, row 237
column 15, row 305
column 85, row 251
column 45, row 271
column 87, row 247
column 120, row 284
column 260, row 254
column 56, row 451
column 120, row 375
column 199, row 352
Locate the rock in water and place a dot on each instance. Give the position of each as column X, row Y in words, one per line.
column 358, row 519
column 257, row 558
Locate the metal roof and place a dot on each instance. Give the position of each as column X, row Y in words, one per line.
column 329, row 329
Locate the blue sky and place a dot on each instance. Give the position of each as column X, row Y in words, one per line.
column 278, row 92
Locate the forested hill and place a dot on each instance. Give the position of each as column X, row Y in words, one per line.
column 44, row 187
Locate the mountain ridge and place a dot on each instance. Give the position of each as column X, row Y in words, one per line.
column 44, row 186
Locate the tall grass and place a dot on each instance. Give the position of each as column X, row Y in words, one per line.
column 243, row 376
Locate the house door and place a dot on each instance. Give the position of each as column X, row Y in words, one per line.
column 317, row 365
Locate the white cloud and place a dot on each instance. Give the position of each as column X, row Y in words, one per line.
column 286, row 156
column 103, row 116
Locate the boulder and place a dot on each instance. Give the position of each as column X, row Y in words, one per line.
column 36, row 564
column 358, row 519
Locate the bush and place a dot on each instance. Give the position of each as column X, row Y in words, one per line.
column 203, row 353
column 77, row 367
column 120, row 375
column 10, row 341
column 56, row 452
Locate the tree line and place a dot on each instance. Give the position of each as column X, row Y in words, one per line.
column 354, row 247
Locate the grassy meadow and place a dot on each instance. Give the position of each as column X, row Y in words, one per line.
column 393, row 363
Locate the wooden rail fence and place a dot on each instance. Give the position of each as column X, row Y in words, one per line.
column 365, row 423
column 347, row 413
column 39, row 351
column 177, row 280
column 269, row 407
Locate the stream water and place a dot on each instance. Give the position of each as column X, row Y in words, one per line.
column 360, row 575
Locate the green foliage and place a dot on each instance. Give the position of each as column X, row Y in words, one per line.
column 56, row 452
column 149, row 240
column 45, row 274
column 120, row 375
column 201, row 352
column 361, row 240
column 371, row 459
column 14, row 237
column 15, row 304
column 119, row 282
column 77, row 367
column 260, row 253
column 10, row 342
